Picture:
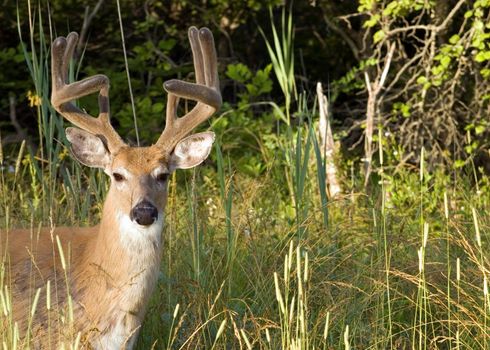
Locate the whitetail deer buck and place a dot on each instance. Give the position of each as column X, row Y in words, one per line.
column 114, row 265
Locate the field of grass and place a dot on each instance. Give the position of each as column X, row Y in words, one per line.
column 401, row 267
column 269, row 262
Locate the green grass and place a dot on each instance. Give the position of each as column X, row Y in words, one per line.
column 385, row 268
column 403, row 266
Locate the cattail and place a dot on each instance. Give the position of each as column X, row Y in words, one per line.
column 458, row 269
column 7, row 300
column 380, row 142
column 305, row 277
column 346, row 338
column 426, row 233
column 16, row 335
column 247, row 342
column 422, row 164
column 286, row 272
column 62, row 255
column 291, row 309
column 19, row 158
column 477, row 228
column 267, row 335
column 220, row 329
column 298, row 271
column 48, row 295
column 77, row 341
column 176, row 311
column 302, row 317
column 34, row 303
column 421, row 259
column 446, row 206
column 327, row 323
column 278, row 293
column 4, row 303
column 70, row 309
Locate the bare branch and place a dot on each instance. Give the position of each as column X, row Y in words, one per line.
column 87, row 20
column 327, row 143
column 334, row 27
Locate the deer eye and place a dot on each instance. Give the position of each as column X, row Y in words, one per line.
column 118, row 177
column 162, row 177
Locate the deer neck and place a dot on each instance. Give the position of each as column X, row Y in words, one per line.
column 120, row 269
column 121, row 242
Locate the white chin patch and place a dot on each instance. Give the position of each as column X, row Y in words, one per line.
column 133, row 235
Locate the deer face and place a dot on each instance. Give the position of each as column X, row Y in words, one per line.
column 138, row 187
column 139, row 174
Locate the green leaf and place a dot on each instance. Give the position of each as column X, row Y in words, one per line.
column 378, row 36
column 482, row 56
column 480, row 129
column 372, row 21
column 454, row 39
column 238, row 72
column 485, row 72
column 421, row 80
column 446, row 61
column 459, row 163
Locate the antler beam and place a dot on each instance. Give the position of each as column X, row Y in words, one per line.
column 205, row 91
column 63, row 93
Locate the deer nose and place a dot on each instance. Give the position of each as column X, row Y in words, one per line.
column 144, row 213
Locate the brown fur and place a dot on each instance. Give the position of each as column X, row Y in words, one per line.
column 99, row 266
column 113, row 266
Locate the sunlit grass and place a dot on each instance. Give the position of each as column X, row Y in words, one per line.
column 401, row 267
column 436, row 271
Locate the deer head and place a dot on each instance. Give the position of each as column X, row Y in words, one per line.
column 139, row 174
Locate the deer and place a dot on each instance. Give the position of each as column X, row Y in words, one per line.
column 113, row 266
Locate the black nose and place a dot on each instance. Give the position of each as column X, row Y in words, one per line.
column 144, row 213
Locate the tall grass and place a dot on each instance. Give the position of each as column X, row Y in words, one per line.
column 361, row 272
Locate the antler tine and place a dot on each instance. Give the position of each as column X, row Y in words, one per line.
column 64, row 93
column 205, row 91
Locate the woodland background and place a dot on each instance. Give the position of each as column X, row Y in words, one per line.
column 351, row 215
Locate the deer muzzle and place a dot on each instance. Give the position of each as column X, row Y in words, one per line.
column 144, row 213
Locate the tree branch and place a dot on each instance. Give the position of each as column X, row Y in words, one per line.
column 334, row 27
column 87, row 20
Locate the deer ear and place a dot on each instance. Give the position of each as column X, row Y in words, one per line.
column 191, row 151
column 88, row 149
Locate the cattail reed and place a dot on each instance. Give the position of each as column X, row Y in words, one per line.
column 346, row 338
column 278, row 293
column 176, row 311
column 458, row 269
column 4, row 303
column 48, row 295
column 62, row 255
column 221, row 329
column 19, row 158
column 291, row 310
column 477, row 227
column 34, row 303
column 327, row 325
column 245, row 338
column 446, row 206
column 421, row 259
column 305, row 275
column 267, row 335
